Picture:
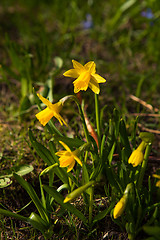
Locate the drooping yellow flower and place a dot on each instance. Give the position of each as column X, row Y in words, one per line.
column 52, row 110
column 86, row 77
column 67, row 158
column 137, row 155
column 119, row 208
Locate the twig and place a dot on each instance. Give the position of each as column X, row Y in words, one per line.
column 148, row 130
column 149, row 106
column 145, row 114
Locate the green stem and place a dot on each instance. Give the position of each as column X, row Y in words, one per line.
column 144, row 165
column 98, row 120
column 82, row 118
column 91, row 206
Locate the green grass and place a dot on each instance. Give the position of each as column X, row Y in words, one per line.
column 123, row 43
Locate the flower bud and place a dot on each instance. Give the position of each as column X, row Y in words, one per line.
column 77, row 192
column 120, row 206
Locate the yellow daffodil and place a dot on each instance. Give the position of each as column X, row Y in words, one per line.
column 86, row 77
column 67, row 158
column 52, row 110
column 120, row 206
column 158, row 182
column 137, row 155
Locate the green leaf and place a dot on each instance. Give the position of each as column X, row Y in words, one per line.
column 42, row 151
column 152, row 230
column 24, row 87
column 124, row 138
column 71, row 142
column 24, row 105
column 46, row 170
column 11, row 214
column 20, row 170
column 31, row 192
column 58, row 62
column 5, row 182
column 59, row 199
column 37, row 222
column 110, row 156
column 102, row 214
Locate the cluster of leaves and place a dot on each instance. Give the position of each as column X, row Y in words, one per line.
column 120, row 180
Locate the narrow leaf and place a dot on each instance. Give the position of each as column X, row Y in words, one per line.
column 59, row 199
column 31, row 192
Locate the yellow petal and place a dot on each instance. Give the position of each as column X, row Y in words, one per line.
column 94, row 86
column 78, row 67
column 60, row 119
column 158, row 183
column 98, row 78
column 45, row 101
column 78, row 160
column 45, row 115
column 71, row 73
column 156, row 176
column 91, row 67
column 65, row 146
column 60, row 153
column 71, row 166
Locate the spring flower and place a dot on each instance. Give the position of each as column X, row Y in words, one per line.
column 67, row 158
column 137, row 155
column 86, row 77
column 148, row 13
column 52, row 110
column 88, row 23
column 119, row 208
column 158, row 182
column 78, row 192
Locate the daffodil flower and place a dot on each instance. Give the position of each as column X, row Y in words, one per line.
column 67, row 158
column 137, row 155
column 52, row 110
column 120, row 207
column 86, row 77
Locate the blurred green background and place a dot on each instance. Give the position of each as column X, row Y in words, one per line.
column 122, row 37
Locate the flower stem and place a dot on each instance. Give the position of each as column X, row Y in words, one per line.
column 144, row 165
column 91, row 206
column 82, row 118
column 98, row 120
